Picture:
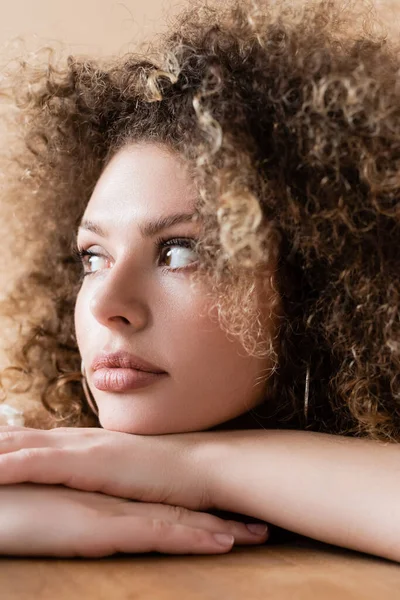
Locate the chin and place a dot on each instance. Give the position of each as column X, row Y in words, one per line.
column 113, row 423
column 122, row 424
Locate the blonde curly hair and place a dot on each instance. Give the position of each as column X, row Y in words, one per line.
column 289, row 117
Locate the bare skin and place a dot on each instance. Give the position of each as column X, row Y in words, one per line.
column 33, row 522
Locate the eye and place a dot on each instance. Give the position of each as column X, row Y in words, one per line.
column 84, row 257
column 177, row 253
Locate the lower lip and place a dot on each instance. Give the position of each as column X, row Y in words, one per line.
column 120, row 380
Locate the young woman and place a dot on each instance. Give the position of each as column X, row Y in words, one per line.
column 209, row 313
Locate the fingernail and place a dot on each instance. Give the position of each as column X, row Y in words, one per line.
column 257, row 528
column 224, row 539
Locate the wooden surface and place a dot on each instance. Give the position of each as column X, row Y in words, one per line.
column 301, row 569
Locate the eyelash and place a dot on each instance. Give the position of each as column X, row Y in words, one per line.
column 79, row 253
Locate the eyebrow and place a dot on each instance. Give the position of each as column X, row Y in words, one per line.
column 148, row 228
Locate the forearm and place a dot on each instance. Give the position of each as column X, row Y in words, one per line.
column 340, row 490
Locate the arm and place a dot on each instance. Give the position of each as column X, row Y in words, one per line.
column 340, row 490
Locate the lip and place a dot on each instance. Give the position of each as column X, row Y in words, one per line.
column 121, row 380
column 124, row 360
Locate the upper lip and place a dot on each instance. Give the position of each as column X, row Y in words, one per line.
column 123, row 360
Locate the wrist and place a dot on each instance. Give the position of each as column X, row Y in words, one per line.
column 210, row 464
column 182, row 469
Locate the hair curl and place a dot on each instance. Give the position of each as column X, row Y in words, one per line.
column 290, row 119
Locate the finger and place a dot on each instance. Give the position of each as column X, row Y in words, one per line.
column 197, row 520
column 240, row 531
column 54, row 465
column 60, row 467
column 37, row 465
column 94, row 537
column 14, row 438
column 138, row 534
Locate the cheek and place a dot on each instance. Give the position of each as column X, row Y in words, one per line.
column 202, row 356
column 213, row 366
column 80, row 321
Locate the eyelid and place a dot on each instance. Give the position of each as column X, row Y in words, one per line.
column 81, row 250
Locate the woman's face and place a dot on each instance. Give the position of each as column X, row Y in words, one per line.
column 135, row 300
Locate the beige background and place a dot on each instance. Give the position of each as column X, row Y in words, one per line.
column 105, row 26
column 87, row 26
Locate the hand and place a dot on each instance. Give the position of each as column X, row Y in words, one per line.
column 57, row 521
column 147, row 468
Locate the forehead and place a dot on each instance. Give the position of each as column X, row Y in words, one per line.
column 143, row 179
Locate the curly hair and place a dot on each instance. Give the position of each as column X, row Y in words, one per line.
column 289, row 117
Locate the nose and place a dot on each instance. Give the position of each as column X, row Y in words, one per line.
column 120, row 298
